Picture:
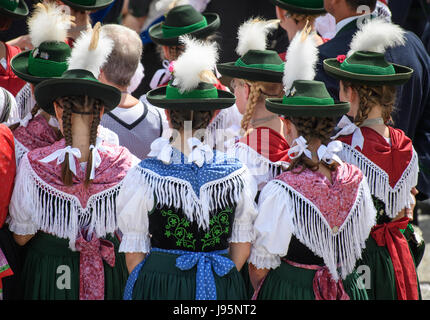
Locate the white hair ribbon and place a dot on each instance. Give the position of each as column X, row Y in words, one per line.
column 60, row 155
column 328, row 153
column 162, row 150
column 299, row 148
column 97, row 160
column 24, row 122
column 53, row 122
column 200, row 153
column 348, row 127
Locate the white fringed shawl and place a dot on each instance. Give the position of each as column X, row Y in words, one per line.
column 395, row 199
column 36, row 205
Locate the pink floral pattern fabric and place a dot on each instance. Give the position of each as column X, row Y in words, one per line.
column 334, row 200
column 91, row 277
column 116, row 161
column 37, row 134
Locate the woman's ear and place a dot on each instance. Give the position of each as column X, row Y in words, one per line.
column 102, row 111
column 58, row 110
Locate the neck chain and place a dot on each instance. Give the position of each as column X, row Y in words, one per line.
column 262, row 120
column 369, row 122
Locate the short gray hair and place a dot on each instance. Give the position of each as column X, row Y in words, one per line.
column 125, row 56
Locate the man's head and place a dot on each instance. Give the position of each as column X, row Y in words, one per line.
column 342, row 9
column 124, row 58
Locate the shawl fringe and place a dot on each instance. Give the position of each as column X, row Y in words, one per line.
column 395, row 199
column 340, row 250
column 62, row 214
column 178, row 193
column 20, row 151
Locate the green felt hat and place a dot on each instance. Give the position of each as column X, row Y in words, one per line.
column 370, row 68
column 77, row 82
column 308, row 98
column 255, row 65
column 183, row 20
column 205, row 97
column 301, row 6
column 47, row 61
column 87, row 5
column 14, row 8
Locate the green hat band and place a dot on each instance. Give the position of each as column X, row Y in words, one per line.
column 310, row 4
column 308, row 101
column 172, row 93
column 367, row 69
column 173, row 32
column 271, row 67
column 45, row 68
column 10, row 5
column 84, row 2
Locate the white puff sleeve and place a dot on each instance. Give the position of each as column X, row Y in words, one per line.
column 21, row 205
column 273, row 226
column 246, row 212
column 134, row 201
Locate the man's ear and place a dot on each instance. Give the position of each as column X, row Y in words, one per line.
column 166, row 112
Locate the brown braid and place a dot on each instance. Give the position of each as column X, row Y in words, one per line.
column 312, row 129
column 384, row 96
column 78, row 104
column 33, row 112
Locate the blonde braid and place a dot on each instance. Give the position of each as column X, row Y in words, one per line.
column 255, row 93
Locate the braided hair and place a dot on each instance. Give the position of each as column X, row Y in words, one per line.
column 258, row 91
column 312, row 129
column 371, row 96
column 79, row 104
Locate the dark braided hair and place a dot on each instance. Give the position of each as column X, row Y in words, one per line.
column 312, row 129
column 199, row 119
column 79, row 104
column 33, row 112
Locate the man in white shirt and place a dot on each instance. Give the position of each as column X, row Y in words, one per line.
column 137, row 124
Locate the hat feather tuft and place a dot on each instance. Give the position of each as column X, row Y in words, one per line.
column 91, row 50
column 252, row 35
column 301, row 59
column 48, row 23
column 377, row 35
column 192, row 66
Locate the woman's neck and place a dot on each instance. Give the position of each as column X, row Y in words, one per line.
column 82, row 23
column 264, row 118
column 381, row 128
column 181, row 143
column 81, row 133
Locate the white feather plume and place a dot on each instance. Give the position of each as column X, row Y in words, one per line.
column 377, row 35
column 48, row 23
column 198, row 58
column 82, row 57
column 252, row 35
column 301, row 60
column 167, row 5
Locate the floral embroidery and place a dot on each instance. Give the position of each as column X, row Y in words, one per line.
column 219, row 225
column 176, row 227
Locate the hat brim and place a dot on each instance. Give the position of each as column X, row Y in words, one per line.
column 156, row 32
column 336, row 110
column 157, row 97
column 252, row 74
column 19, row 65
column 99, row 4
column 20, row 12
column 296, row 9
column 48, row 91
column 402, row 75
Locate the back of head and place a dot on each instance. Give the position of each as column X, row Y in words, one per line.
column 125, row 56
column 355, row 4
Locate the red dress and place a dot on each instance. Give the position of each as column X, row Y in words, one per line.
column 7, row 175
column 8, row 79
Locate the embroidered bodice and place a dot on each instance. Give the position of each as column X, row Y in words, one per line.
column 332, row 219
column 187, row 207
column 62, row 210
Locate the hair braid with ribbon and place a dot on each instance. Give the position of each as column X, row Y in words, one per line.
column 311, row 129
column 66, row 173
column 93, row 135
